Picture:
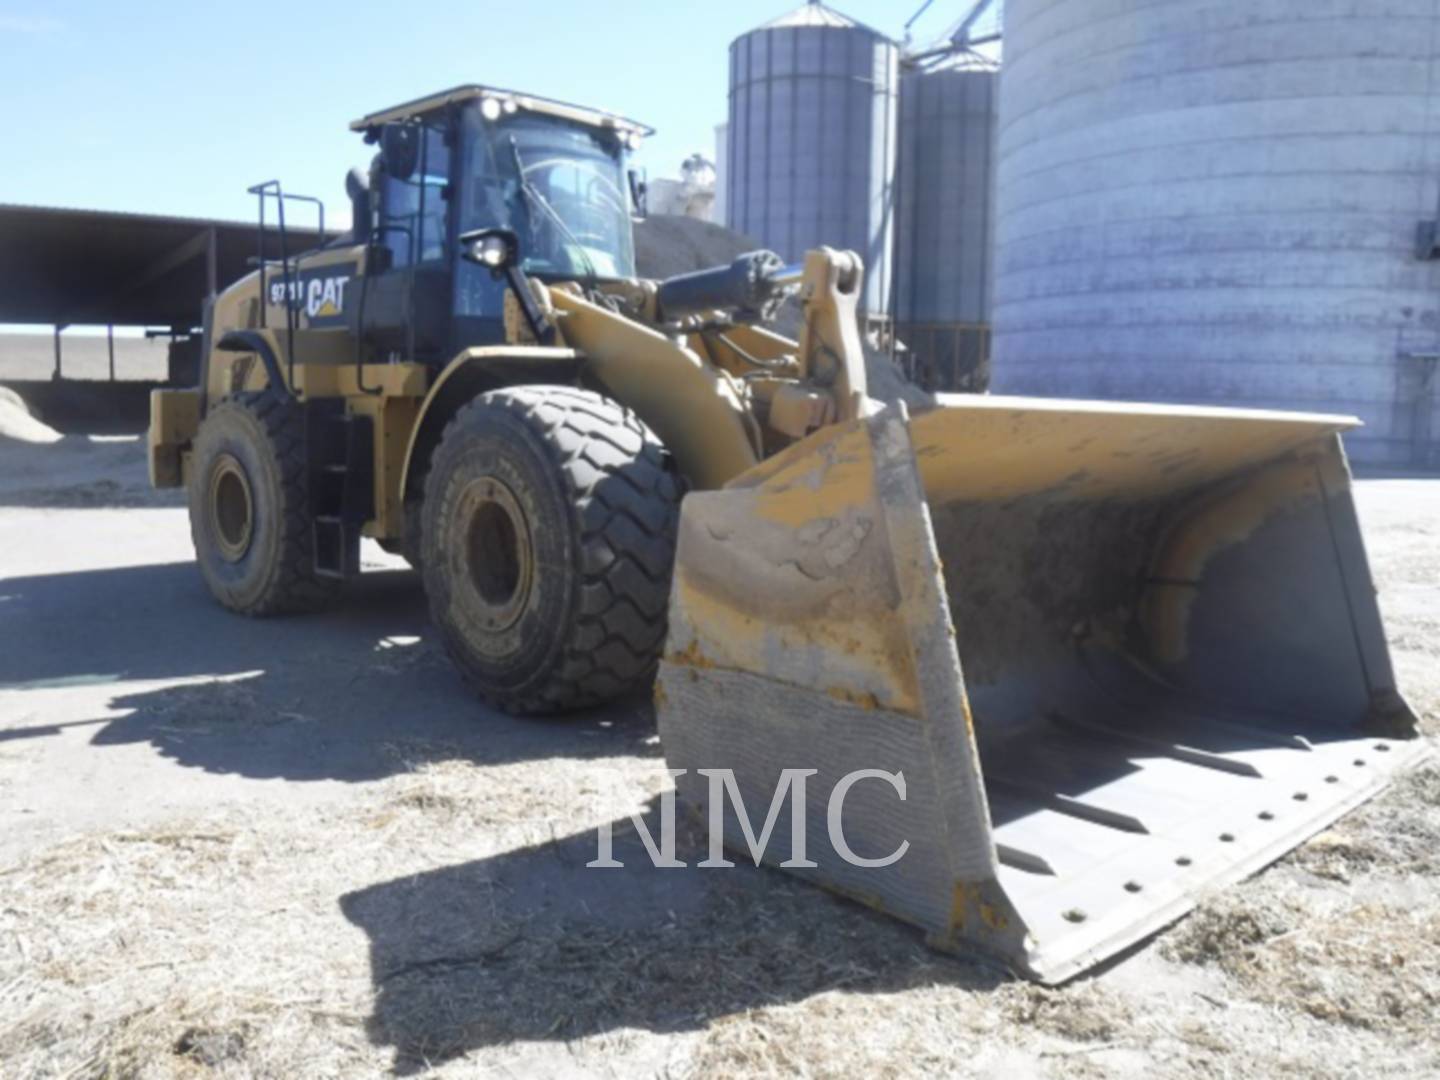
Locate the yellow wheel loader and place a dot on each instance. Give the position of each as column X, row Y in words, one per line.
column 1036, row 673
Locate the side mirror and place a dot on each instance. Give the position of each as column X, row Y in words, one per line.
column 499, row 251
column 496, row 249
column 357, row 186
column 639, row 194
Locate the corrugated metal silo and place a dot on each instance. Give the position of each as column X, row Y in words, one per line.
column 811, row 158
column 1218, row 203
column 944, row 239
column 722, row 173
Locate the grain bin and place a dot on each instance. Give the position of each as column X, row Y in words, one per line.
column 811, row 155
column 944, row 239
column 1218, row 204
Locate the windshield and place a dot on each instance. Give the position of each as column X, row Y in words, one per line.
column 561, row 187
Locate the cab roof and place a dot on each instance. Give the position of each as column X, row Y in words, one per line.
column 509, row 99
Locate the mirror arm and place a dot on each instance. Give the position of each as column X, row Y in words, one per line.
column 473, row 250
column 540, row 326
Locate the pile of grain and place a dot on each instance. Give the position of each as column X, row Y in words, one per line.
column 17, row 423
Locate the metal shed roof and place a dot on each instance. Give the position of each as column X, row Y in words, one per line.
column 66, row 266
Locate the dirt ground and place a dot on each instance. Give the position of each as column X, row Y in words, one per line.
column 298, row 848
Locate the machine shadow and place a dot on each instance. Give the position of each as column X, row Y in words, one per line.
column 534, row 945
column 353, row 694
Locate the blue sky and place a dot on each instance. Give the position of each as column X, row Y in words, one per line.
column 176, row 107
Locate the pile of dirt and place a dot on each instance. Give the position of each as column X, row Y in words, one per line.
column 17, row 423
column 41, row 468
column 666, row 245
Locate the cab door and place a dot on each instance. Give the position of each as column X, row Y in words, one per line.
column 407, row 306
column 485, row 191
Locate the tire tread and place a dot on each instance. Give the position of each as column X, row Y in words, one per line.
column 625, row 530
column 294, row 587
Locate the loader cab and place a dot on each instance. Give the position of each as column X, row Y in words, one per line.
column 473, row 159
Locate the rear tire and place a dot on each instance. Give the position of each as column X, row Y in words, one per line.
column 549, row 538
column 249, row 508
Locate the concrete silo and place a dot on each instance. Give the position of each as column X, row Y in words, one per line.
column 811, row 156
column 1218, row 203
column 944, row 239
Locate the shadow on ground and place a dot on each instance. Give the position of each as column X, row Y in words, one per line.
column 534, row 945
column 346, row 695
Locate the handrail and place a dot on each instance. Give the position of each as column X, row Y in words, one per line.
column 272, row 188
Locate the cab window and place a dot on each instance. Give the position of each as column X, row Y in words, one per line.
column 414, row 207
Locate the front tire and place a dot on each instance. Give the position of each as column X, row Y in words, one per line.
column 249, row 508
column 549, row 538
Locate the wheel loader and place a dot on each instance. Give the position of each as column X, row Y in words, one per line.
column 1103, row 657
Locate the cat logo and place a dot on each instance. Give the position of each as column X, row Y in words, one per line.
column 318, row 294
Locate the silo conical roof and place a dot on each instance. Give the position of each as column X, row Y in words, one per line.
column 816, row 14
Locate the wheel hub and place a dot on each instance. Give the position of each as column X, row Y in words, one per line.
column 499, row 553
column 231, row 508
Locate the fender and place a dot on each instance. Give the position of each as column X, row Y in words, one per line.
column 473, row 372
column 692, row 408
column 253, row 341
column 697, row 411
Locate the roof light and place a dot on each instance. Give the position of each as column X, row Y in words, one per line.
column 491, row 109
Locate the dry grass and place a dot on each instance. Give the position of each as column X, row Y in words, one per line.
column 1376, row 838
column 1369, row 967
column 1083, row 1013
column 840, row 1036
column 433, row 926
column 1372, row 967
column 1226, row 930
column 143, row 953
column 1366, row 958
column 222, row 944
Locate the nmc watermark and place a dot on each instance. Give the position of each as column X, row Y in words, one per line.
column 722, row 786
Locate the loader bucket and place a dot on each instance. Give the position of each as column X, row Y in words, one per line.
column 1120, row 654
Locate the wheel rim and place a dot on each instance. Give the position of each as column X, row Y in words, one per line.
column 232, row 508
column 499, row 554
